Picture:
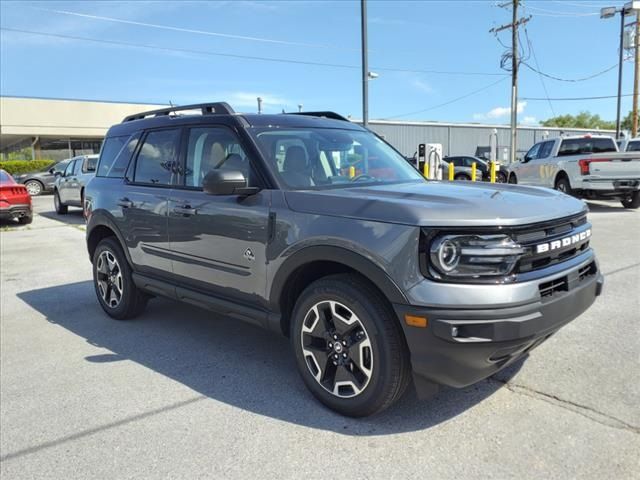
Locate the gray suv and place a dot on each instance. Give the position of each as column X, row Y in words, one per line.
column 315, row 228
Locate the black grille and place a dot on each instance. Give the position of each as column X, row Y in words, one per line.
column 547, row 289
column 575, row 231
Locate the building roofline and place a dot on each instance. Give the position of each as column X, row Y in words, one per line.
column 24, row 97
column 480, row 125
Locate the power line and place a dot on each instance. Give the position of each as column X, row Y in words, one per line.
column 572, row 80
column 561, row 99
column 535, row 59
column 189, row 30
column 447, row 102
column 245, row 57
column 556, row 13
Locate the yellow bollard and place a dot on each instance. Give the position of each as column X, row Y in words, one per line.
column 450, row 172
column 473, row 172
column 352, row 172
column 493, row 172
column 425, row 170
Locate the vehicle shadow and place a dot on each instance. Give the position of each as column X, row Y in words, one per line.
column 607, row 207
column 234, row 362
column 72, row 217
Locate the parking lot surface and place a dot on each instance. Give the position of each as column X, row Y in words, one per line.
column 179, row 393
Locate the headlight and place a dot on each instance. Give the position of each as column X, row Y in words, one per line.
column 473, row 256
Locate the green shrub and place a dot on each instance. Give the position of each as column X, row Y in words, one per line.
column 16, row 167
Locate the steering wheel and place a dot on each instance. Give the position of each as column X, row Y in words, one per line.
column 362, row 176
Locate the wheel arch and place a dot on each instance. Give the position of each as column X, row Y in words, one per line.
column 561, row 174
column 312, row 263
column 99, row 228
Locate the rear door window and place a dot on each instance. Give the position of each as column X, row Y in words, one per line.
column 157, row 162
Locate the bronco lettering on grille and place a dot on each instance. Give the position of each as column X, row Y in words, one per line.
column 563, row 242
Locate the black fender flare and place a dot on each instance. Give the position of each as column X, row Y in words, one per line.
column 101, row 219
column 344, row 256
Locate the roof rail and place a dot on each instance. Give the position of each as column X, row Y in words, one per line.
column 332, row 115
column 218, row 108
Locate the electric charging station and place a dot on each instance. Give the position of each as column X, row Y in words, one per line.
column 431, row 154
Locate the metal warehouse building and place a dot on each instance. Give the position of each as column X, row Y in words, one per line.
column 59, row 128
column 466, row 138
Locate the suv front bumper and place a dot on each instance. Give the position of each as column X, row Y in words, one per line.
column 464, row 344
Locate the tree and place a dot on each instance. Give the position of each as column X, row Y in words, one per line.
column 582, row 120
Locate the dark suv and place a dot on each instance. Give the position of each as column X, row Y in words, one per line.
column 313, row 227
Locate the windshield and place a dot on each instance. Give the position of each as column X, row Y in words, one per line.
column 317, row 158
column 58, row 167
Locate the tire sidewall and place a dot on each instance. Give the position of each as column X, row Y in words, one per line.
column 110, row 245
column 356, row 301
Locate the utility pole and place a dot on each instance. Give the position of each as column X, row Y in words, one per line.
column 515, row 22
column 620, row 61
column 634, row 124
column 365, row 65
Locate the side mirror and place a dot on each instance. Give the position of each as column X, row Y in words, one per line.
column 226, row 182
column 58, row 173
column 52, row 171
column 526, row 159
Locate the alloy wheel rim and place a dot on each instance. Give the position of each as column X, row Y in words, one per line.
column 33, row 188
column 109, row 279
column 337, row 349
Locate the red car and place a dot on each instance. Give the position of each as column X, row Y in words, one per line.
column 15, row 201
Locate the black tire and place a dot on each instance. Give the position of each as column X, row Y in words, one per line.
column 26, row 220
column 132, row 301
column 61, row 208
column 501, row 177
column 562, row 185
column 463, row 177
column 34, row 187
column 631, row 202
column 513, row 180
column 387, row 357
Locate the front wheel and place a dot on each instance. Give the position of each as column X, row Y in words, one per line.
column 462, row 177
column 61, row 208
column 632, row 202
column 349, row 348
column 117, row 293
column 501, row 177
column 513, row 179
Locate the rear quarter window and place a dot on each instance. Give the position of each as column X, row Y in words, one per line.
column 115, row 155
column 580, row 146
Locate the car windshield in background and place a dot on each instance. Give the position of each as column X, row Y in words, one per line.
column 317, row 158
column 579, row 146
column 633, row 146
column 58, row 167
column 4, row 176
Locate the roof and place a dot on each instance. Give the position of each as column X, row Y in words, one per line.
column 247, row 120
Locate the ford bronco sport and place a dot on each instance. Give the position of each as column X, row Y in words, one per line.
column 313, row 227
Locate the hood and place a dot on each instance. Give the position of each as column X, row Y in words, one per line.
column 438, row 204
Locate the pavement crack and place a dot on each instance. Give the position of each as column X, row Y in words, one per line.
column 583, row 410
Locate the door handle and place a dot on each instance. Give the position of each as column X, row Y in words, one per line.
column 125, row 203
column 186, row 211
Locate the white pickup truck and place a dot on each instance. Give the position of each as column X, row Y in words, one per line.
column 629, row 145
column 587, row 166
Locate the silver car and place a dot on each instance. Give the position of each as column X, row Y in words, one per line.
column 68, row 189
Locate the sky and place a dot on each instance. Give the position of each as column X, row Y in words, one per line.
column 436, row 60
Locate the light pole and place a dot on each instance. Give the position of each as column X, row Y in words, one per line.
column 609, row 12
column 365, row 64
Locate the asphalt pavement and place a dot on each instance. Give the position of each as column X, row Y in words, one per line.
column 180, row 393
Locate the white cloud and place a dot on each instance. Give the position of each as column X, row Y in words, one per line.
column 529, row 120
column 249, row 100
column 500, row 112
column 422, row 85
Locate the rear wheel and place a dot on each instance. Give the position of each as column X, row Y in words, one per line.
column 632, row 202
column 61, row 208
column 563, row 185
column 349, row 347
column 34, row 187
column 462, row 177
column 26, row 220
column 114, row 286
